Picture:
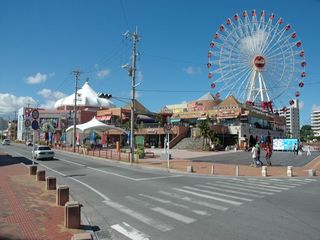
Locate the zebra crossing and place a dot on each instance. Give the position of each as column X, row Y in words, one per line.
column 177, row 206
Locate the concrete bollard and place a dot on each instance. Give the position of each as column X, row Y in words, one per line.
column 190, row 169
column 82, row 236
column 62, row 195
column 264, row 171
column 32, row 170
column 312, row 172
column 290, row 171
column 51, row 183
column 72, row 214
column 41, row 175
column 212, row 169
column 237, row 170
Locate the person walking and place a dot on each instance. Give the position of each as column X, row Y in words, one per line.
column 268, row 155
column 308, row 151
column 295, row 149
column 254, row 153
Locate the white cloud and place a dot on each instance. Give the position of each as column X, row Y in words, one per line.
column 50, row 97
column 10, row 103
column 192, row 70
column 103, row 73
column 252, row 43
column 315, row 107
column 38, row 78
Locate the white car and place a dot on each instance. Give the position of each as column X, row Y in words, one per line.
column 6, row 142
column 42, row 152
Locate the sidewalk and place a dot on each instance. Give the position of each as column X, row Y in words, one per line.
column 27, row 210
column 183, row 160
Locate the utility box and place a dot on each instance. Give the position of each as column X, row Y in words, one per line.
column 32, row 170
column 72, row 214
column 51, row 183
column 62, row 196
column 41, row 175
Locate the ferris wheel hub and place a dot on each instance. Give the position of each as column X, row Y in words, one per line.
column 259, row 62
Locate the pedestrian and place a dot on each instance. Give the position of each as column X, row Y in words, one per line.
column 308, row 151
column 295, row 149
column 254, row 153
column 258, row 155
column 268, row 155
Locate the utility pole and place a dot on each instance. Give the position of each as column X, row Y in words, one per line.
column 77, row 75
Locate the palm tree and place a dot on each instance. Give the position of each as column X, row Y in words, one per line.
column 204, row 131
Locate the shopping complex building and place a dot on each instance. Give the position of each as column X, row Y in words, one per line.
column 232, row 122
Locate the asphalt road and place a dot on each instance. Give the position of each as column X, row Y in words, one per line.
column 128, row 202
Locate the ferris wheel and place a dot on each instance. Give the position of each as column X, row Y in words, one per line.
column 257, row 59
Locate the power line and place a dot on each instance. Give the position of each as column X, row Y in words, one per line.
column 124, row 13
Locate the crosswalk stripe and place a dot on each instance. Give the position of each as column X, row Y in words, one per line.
column 274, row 184
column 208, row 196
column 284, row 182
column 247, row 188
column 301, row 181
column 147, row 220
column 279, row 189
column 163, row 211
column 130, row 232
column 174, row 215
column 194, row 201
column 230, row 191
column 219, row 194
column 199, row 212
column 310, row 179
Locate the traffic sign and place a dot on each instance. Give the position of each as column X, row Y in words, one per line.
column 167, row 128
column 27, row 123
column 35, row 114
column 35, row 125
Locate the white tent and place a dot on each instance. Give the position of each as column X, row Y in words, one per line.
column 96, row 125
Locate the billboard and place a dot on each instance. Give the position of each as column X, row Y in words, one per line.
column 285, row 144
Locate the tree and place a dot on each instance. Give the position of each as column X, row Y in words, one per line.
column 306, row 133
column 204, row 127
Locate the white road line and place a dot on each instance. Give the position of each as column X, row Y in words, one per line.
column 310, row 179
column 284, row 182
column 300, row 181
column 219, row 194
column 246, row 188
column 163, row 211
column 147, row 220
column 274, row 184
column 199, row 212
column 153, row 178
column 261, row 185
column 71, row 162
column 208, row 197
column 194, row 201
column 111, row 173
column 231, row 191
column 174, row 215
column 130, row 232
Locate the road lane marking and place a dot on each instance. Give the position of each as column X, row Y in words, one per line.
column 199, row 212
column 71, row 162
column 261, row 185
column 130, row 232
column 231, row 191
column 208, row 196
column 154, row 178
column 174, row 215
column 284, row 182
column 166, row 212
column 274, row 184
column 111, row 173
column 248, row 186
column 147, row 220
column 194, row 201
column 219, row 194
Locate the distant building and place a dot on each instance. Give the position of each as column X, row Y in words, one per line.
column 292, row 116
column 315, row 122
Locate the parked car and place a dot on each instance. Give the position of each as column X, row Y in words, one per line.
column 6, row 142
column 29, row 142
column 42, row 152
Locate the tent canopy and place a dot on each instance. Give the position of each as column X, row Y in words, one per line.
column 96, row 125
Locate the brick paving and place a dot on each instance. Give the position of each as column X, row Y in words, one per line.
column 27, row 210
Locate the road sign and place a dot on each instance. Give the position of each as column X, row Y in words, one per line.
column 167, row 128
column 35, row 114
column 35, row 125
column 27, row 123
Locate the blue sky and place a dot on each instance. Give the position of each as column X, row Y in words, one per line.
column 42, row 42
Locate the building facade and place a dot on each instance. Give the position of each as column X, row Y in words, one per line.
column 315, row 122
column 292, row 116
